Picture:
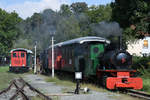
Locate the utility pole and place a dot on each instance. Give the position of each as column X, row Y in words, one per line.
column 53, row 55
column 35, row 58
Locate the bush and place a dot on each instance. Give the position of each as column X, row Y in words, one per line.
column 141, row 64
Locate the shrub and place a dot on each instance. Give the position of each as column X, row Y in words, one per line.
column 141, row 64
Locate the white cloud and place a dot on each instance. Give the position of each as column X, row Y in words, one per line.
column 27, row 8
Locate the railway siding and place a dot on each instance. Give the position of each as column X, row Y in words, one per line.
column 20, row 89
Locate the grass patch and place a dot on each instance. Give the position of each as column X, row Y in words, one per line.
column 68, row 82
column 36, row 98
column 146, row 82
column 142, row 65
column 4, row 69
column 6, row 76
column 59, row 81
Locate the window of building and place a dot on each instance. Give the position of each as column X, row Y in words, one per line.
column 145, row 44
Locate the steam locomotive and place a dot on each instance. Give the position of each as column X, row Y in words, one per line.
column 94, row 57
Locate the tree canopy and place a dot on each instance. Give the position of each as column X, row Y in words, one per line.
column 133, row 16
column 71, row 21
column 76, row 20
column 8, row 30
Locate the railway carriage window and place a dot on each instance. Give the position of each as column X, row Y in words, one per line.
column 18, row 54
column 14, row 55
column 71, row 52
column 65, row 52
column 68, row 53
column 22, row 55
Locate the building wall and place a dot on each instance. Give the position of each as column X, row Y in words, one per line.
column 146, row 50
column 136, row 48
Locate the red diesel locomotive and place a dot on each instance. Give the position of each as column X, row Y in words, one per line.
column 21, row 59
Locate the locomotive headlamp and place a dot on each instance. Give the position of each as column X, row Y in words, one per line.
column 78, row 75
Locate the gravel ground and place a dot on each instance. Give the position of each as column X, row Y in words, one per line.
column 38, row 81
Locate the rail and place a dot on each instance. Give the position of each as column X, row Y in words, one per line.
column 139, row 94
column 19, row 84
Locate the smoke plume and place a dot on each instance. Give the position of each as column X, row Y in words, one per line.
column 107, row 29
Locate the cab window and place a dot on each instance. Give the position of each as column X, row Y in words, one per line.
column 14, row 55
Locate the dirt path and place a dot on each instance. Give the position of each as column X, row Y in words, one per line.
column 38, row 82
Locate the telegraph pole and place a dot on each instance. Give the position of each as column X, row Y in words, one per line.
column 53, row 55
column 35, row 58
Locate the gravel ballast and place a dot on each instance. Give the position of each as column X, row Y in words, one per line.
column 51, row 89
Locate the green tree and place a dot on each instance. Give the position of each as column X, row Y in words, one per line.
column 67, row 28
column 132, row 14
column 65, row 10
column 8, row 30
column 79, row 7
column 99, row 13
column 69, row 22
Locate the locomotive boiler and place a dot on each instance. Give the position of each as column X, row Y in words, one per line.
column 116, row 59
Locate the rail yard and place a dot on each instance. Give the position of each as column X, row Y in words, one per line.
column 74, row 49
column 36, row 87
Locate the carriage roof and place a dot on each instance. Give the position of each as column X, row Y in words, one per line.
column 83, row 40
column 21, row 49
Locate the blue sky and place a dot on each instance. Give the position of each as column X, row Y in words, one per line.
column 10, row 2
column 26, row 8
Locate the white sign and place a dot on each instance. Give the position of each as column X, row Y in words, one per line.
column 78, row 75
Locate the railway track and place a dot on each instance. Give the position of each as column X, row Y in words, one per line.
column 19, row 87
column 139, row 94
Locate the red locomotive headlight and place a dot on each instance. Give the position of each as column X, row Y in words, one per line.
column 123, row 60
